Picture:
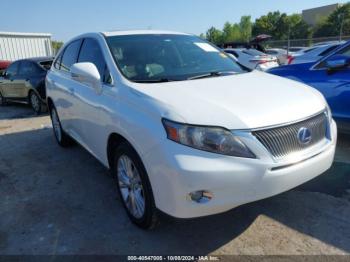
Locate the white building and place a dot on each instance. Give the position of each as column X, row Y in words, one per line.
column 14, row 46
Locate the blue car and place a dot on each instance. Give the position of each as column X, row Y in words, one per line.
column 329, row 75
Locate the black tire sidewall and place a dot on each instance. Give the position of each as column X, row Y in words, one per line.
column 36, row 110
column 65, row 139
column 3, row 100
column 148, row 219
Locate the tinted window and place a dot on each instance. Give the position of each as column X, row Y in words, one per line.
column 232, row 52
column 345, row 51
column 70, row 55
column 57, row 63
column 91, row 52
column 145, row 58
column 12, row 70
column 46, row 64
column 328, row 50
column 28, row 68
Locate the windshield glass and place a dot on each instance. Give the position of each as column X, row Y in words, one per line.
column 168, row 57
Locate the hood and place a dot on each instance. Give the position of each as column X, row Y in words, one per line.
column 243, row 101
column 292, row 67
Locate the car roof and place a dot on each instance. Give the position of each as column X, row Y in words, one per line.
column 37, row 59
column 142, row 32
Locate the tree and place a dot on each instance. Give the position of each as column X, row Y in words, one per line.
column 245, row 27
column 299, row 29
column 231, row 32
column 280, row 25
column 332, row 25
column 214, row 35
column 56, row 45
column 202, row 36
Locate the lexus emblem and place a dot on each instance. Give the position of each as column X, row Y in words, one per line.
column 304, row 136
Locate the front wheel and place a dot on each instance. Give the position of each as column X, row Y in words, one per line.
column 134, row 187
column 35, row 102
column 2, row 100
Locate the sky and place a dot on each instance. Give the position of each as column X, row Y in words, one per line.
column 65, row 19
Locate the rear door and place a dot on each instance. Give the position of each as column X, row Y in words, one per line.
column 27, row 74
column 9, row 85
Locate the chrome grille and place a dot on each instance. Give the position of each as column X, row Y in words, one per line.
column 283, row 141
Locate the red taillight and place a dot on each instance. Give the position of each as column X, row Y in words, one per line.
column 290, row 59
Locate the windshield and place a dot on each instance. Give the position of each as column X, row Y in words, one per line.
column 143, row 58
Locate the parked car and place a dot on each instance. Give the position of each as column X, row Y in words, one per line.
column 255, row 43
column 184, row 128
column 3, row 65
column 314, row 53
column 253, row 58
column 294, row 49
column 331, row 77
column 281, row 54
column 24, row 81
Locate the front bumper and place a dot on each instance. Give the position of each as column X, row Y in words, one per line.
column 176, row 170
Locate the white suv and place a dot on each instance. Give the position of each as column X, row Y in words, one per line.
column 183, row 127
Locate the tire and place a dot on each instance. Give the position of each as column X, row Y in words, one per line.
column 2, row 100
column 62, row 138
column 35, row 102
column 133, row 183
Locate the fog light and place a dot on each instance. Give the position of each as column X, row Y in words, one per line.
column 201, row 196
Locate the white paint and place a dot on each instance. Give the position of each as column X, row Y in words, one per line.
column 236, row 102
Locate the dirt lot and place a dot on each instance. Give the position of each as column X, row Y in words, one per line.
column 63, row 201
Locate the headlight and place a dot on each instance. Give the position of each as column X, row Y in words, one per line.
column 213, row 139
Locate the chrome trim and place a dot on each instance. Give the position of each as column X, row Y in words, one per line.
column 280, row 125
column 277, row 168
column 282, row 141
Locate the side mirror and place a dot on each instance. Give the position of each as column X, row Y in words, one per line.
column 86, row 73
column 337, row 62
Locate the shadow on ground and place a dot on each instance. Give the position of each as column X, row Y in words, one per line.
column 16, row 111
column 63, row 201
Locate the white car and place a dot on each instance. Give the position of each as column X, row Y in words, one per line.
column 183, row 127
column 314, row 53
column 253, row 58
column 281, row 54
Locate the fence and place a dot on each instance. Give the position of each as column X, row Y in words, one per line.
column 302, row 42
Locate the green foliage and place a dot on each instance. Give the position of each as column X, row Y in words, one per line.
column 246, row 27
column 231, row 32
column 331, row 26
column 280, row 25
column 214, row 35
column 56, row 45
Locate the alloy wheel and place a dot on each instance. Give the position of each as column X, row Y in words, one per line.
column 35, row 102
column 131, row 186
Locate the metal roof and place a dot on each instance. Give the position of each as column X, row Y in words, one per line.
column 24, row 34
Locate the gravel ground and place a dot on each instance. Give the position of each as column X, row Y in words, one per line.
column 63, row 201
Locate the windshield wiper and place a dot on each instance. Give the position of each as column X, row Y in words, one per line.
column 160, row 80
column 210, row 74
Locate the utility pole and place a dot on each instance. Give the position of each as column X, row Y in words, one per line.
column 288, row 45
column 341, row 17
